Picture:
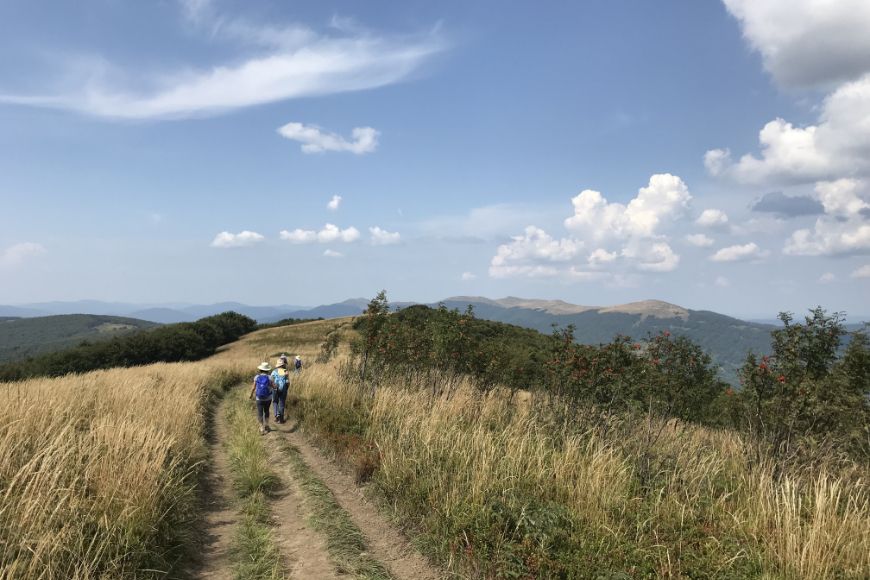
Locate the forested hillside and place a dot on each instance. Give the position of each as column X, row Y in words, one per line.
column 24, row 337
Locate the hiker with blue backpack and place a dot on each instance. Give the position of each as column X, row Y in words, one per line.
column 281, row 380
column 262, row 390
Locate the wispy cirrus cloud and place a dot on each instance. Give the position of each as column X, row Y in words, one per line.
column 315, row 140
column 277, row 63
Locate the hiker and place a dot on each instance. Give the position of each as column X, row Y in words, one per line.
column 281, row 380
column 262, row 390
column 298, row 363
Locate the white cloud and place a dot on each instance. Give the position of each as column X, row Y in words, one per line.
column 334, row 203
column 722, row 282
column 739, row 253
column 700, row 240
column 711, row 218
column 299, row 236
column 665, row 198
column 807, row 42
column 315, row 140
column 17, row 254
column 383, row 237
column 269, row 64
column 827, row 278
column 241, row 239
column 329, row 233
column 636, row 228
column 522, row 256
column 862, row 272
column 601, row 256
column 652, row 257
column 843, row 229
column 466, row 276
column 333, row 254
column 837, row 146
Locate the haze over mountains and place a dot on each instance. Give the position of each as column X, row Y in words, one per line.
column 726, row 338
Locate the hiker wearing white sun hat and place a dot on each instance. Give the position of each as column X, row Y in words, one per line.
column 262, row 390
column 298, row 363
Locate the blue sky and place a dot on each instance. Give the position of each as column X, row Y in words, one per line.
column 711, row 154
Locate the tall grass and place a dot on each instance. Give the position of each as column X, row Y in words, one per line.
column 98, row 473
column 497, row 488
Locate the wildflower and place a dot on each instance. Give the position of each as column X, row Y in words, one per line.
column 781, row 378
column 667, row 333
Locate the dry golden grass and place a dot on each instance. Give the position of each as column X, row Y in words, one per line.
column 99, row 470
column 710, row 509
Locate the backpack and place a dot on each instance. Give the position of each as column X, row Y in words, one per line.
column 263, row 388
column 280, row 380
column 298, row 364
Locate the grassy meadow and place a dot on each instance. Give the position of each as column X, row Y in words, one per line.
column 495, row 486
column 99, row 477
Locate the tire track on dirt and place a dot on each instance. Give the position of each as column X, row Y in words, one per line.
column 221, row 516
column 387, row 544
column 303, row 547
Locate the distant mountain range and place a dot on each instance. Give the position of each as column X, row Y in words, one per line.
column 727, row 339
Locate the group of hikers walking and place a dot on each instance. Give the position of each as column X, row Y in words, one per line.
column 271, row 386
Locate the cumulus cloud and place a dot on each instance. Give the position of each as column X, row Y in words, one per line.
column 712, row 218
column 334, row 203
column 17, row 254
column 530, row 254
column 622, row 236
column 466, row 276
column 316, row 140
column 739, row 253
column 787, row 205
column 827, row 278
column 665, row 198
column 862, row 272
column 699, row 240
column 241, row 239
column 269, row 64
column 329, row 233
column 333, row 254
column 652, row 257
column 601, row 256
column 382, row 237
column 807, row 42
column 837, row 146
column 843, row 229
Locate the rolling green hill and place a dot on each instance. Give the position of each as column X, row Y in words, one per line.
column 24, row 337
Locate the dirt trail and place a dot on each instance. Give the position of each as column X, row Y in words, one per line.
column 304, row 548
column 221, row 515
column 387, row 544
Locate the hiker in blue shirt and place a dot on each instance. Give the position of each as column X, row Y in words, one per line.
column 262, row 390
column 281, row 380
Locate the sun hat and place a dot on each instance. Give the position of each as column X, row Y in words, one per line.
column 282, row 362
column 264, row 366
column 298, row 357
